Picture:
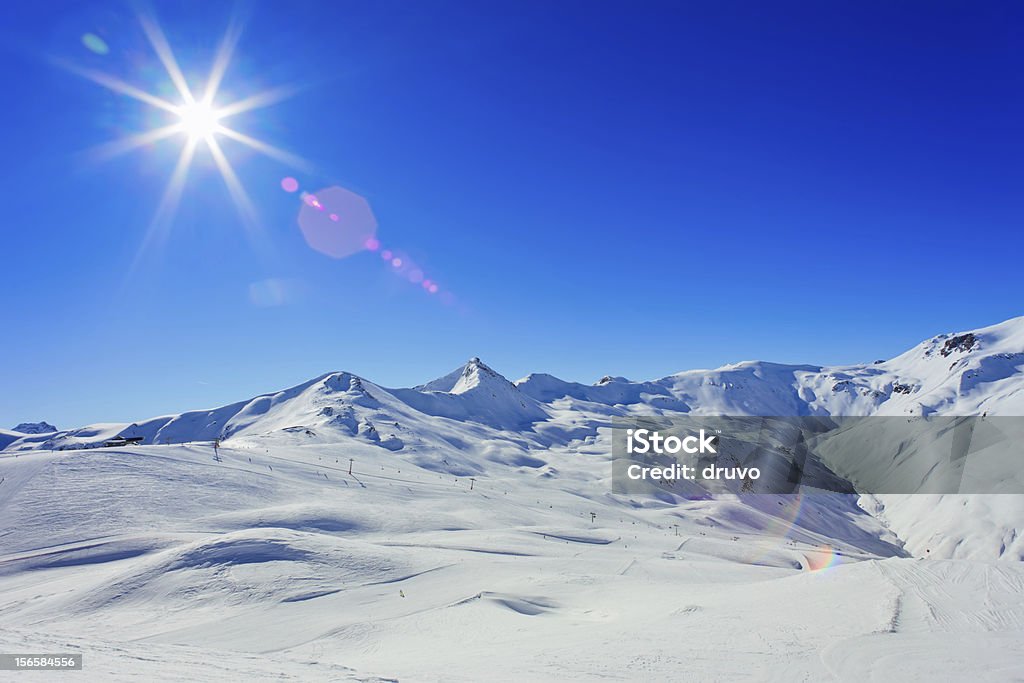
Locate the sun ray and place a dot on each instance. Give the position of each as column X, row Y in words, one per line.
column 264, row 148
column 238, row 194
column 259, row 100
column 168, row 206
column 221, row 61
column 117, row 85
column 123, row 145
column 158, row 41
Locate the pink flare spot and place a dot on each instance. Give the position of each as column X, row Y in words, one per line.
column 336, row 238
column 386, row 254
column 432, row 288
column 426, row 284
column 396, row 262
column 372, row 244
column 415, row 275
column 289, row 184
column 334, row 217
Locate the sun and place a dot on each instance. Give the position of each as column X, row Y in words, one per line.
column 195, row 118
column 199, row 120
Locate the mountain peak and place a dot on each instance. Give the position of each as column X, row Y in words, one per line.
column 35, row 428
column 469, row 376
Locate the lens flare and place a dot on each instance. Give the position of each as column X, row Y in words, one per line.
column 333, row 221
column 93, row 43
column 336, row 222
column 822, row 558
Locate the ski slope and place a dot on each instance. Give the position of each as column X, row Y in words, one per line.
column 476, row 538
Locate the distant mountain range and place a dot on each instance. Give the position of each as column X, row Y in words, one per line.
column 474, row 422
column 965, row 373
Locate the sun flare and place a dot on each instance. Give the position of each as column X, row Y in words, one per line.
column 199, row 120
column 196, row 119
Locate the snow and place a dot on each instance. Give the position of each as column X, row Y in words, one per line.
column 475, row 393
column 477, row 539
column 35, row 428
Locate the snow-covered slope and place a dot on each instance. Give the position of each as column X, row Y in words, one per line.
column 967, row 373
column 473, row 415
column 475, row 393
column 355, row 530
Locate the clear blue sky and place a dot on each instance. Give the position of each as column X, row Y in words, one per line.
column 607, row 188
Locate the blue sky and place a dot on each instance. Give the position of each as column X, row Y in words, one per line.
column 605, row 188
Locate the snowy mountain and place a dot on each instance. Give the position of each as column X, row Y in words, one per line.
column 475, row 393
column 35, row 428
column 965, row 373
column 342, row 529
